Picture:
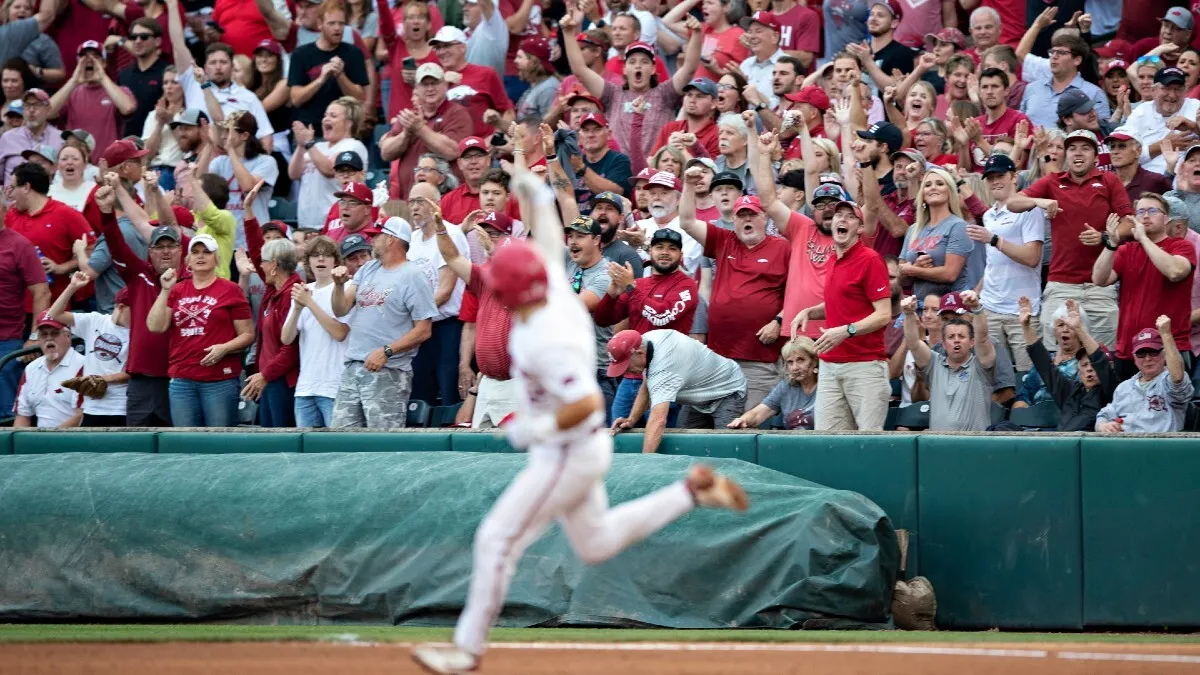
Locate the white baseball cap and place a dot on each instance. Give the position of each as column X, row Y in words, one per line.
column 430, row 70
column 399, row 228
column 449, row 35
column 208, row 240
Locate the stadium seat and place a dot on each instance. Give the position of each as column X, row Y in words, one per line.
column 443, row 415
column 915, row 416
column 1040, row 416
column 282, row 209
column 374, row 159
column 419, row 413
column 998, row 413
column 896, row 385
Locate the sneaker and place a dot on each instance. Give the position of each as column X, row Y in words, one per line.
column 710, row 488
column 444, row 659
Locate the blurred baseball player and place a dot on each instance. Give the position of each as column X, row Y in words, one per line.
column 560, row 420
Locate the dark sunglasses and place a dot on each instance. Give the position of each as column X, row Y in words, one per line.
column 139, row 37
column 1144, row 353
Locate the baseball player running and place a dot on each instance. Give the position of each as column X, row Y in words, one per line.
column 560, row 420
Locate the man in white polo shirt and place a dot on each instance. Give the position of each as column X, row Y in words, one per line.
column 42, row 394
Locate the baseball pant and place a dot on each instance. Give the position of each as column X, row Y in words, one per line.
column 1099, row 303
column 563, row 482
column 376, row 400
column 493, row 403
column 852, row 396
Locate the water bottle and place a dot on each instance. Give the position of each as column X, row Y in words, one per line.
column 49, row 277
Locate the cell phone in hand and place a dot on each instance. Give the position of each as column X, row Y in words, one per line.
column 410, row 63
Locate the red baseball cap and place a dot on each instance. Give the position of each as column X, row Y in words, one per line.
column 538, row 48
column 597, row 118
column 620, row 350
column 120, row 152
column 952, row 302
column 767, row 19
column 1147, row 338
column 951, row 35
column 39, row 94
column 358, row 191
column 748, row 202
column 472, row 143
column 498, row 221
column 641, row 47
column 1115, row 64
column 92, row 45
column 857, row 209
column 812, row 95
column 1119, row 49
column 1121, row 134
column 645, row 174
column 46, row 320
column 665, row 179
column 270, row 46
column 585, row 96
column 893, row 6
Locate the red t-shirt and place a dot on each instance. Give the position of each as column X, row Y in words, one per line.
column 450, row 120
column 1005, row 125
column 370, row 232
column 884, row 243
column 1012, row 19
column 480, row 89
column 614, row 70
column 458, row 203
column 469, row 310
column 657, row 301
column 333, row 219
column 1080, row 204
column 402, row 92
column 747, row 293
column 92, row 109
column 508, row 8
column 1139, row 19
column 54, row 230
column 76, row 24
column 853, row 283
column 1146, row 294
column 202, row 318
column 493, row 322
column 728, row 42
column 244, row 25
column 800, row 30
column 19, row 269
column 812, row 250
column 707, row 138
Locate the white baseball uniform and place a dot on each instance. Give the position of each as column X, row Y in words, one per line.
column 553, row 365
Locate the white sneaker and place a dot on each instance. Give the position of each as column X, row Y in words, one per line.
column 445, row 659
column 710, row 488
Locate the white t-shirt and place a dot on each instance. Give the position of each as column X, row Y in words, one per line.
column 321, row 357
column 169, row 153
column 107, row 347
column 693, row 252
column 1004, row 279
column 42, row 395
column 424, row 253
column 231, row 99
column 264, row 167
column 316, row 190
column 487, row 44
column 76, row 198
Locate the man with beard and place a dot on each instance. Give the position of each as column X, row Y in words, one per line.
column 1078, row 202
column 961, row 379
column 786, row 78
column 609, row 212
column 323, row 71
column 667, row 299
column 697, row 131
column 599, row 168
column 587, row 275
column 42, row 393
column 35, row 133
column 663, row 190
column 998, row 119
column 759, row 67
column 744, row 310
column 191, row 132
column 886, row 54
column 890, row 215
column 872, row 150
column 1125, row 150
column 1170, row 116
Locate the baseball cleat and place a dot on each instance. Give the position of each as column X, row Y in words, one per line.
column 710, row 488
column 444, row 659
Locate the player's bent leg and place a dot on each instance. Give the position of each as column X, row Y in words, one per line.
column 598, row 533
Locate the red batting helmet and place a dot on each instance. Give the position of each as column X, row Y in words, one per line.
column 518, row 275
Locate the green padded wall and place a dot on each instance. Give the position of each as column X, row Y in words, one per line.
column 366, row 441
column 724, row 445
column 478, row 441
column 1000, row 530
column 6, row 442
column 48, row 442
column 1141, row 531
column 227, row 442
column 881, row 468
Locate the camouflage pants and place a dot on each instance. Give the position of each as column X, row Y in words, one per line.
column 376, row 400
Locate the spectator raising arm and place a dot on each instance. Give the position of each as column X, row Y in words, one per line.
column 558, row 176
column 590, row 79
column 58, row 311
column 758, row 155
column 691, row 55
column 687, row 204
column 912, row 333
column 179, row 47
column 1175, row 368
column 159, row 318
column 279, row 24
column 460, row 265
column 985, row 350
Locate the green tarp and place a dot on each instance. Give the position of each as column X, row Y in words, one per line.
column 385, row 538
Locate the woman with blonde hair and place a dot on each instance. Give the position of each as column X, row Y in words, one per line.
column 312, row 162
column 932, row 138
column 671, row 159
column 795, row 396
column 936, row 247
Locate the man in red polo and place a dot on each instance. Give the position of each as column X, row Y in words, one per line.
column 1078, row 202
column 435, row 124
column 354, row 210
column 853, row 391
column 697, row 131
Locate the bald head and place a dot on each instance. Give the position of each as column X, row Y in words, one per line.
column 422, row 200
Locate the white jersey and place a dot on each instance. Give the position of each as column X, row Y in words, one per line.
column 42, row 395
column 107, row 347
column 554, row 360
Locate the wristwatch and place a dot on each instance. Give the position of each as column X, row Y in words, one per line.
column 309, row 144
column 1108, row 243
column 779, row 319
column 851, row 331
column 387, row 351
column 995, row 240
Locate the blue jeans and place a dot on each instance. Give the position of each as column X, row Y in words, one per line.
column 435, row 367
column 314, row 411
column 10, row 377
column 627, row 392
column 204, row 404
column 276, row 406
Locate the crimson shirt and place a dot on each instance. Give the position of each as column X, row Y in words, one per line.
column 19, row 269
column 493, row 323
column 276, row 360
column 658, row 301
column 853, row 282
column 202, row 318
column 614, row 70
column 402, row 92
column 54, row 230
column 450, row 120
column 458, row 203
column 1146, row 294
column 244, row 26
column 1080, row 204
column 1005, row 125
column 77, row 23
column 747, row 293
column 812, row 251
column 707, row 137
column 479, row 90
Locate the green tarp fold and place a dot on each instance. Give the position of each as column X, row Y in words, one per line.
column 385, row 538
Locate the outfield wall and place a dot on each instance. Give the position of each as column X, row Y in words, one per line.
column 1018, row 531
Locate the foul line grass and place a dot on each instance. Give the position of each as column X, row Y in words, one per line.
column 27, row 633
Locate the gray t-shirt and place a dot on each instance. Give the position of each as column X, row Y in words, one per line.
column 947, row 236
column 596, row 280
column 685, row 371
column 109, row 283
column 16, row 36
column 621, row 253
column 389, row 301
column 43, row 53
column 1157, row 406
column 264, row 167
column 845, row 22
column 787, row 397
column 960, row 399
column 1005, row 374
column 538, row 99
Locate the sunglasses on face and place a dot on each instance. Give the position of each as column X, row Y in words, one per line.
column 141, row 37
column 1147, row 353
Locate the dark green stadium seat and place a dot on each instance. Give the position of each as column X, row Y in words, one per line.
column 218, row 442
column 418, row 414
column 6, row 442
column 443, row 415
column 1043, row 415
column 375, row 441
column 915, row 416
column 283, row 209
column 49, row 442
column 998, row 413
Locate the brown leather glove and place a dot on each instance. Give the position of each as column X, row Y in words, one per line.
column 99, row 386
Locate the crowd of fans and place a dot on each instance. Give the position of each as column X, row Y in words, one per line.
column 776, row 214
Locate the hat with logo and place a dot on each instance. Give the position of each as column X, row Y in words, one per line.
column 1180, row 16
column 584, row 225
column 348, row 159
column 609, row 198
column 398, row 228
column 594, row 118
column 1115, row 64
column 893, row 6
column 538, row 48
column 269, row 45
column 665, row 179
column 832, row 177
column 645, row 174
column 90, row 45
column 353, row 244
column 594, row 38
column 1082, row 134
column 498, row 221
column 205, row 240
column 952, row 302
column 471, row 143
column 620, row 350
column 702, row 85
column 748, row 203
column 430, row 70
column 642, row 47
column 119, row 152
column 1114, row 49
column 726, row 178
column 767, row 19
column 356, row 191
column 911, row 153
column 1147, row 338
column 952, row 35
column 1122, row 134
column 886, row 133
column 39, row 94
column 701, row 161
column 668, row 235
column 164, row 232
column 189, row 118
column 46, row 151
column 828, row 191
column 1170, row 75
column 448, row 35
column 998, row 163
column 812, row 95
column 858, row 213
column 45, row 320
column 15, row 107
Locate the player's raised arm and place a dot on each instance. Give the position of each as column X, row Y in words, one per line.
column 537, row 204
